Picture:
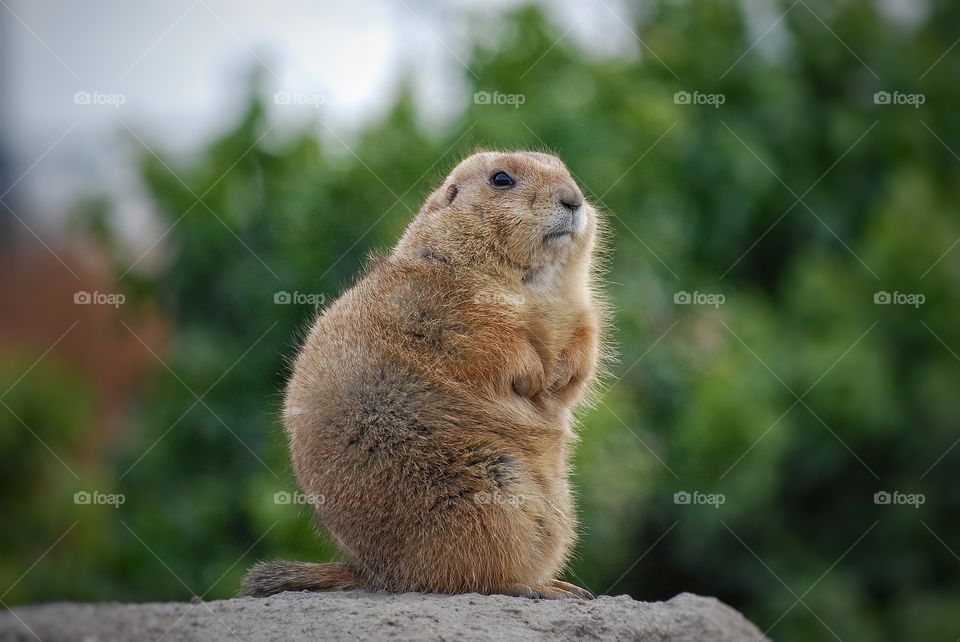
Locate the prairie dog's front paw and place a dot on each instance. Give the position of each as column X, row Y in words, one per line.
column 526, row 373
column 570, row 373
column 528, row 384
column 565, row 372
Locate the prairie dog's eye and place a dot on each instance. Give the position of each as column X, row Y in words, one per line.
column 502, row 180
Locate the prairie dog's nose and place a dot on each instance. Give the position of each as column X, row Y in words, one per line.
column 570, row 197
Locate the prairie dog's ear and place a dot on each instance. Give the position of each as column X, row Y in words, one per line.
column 441, row 198
column 451, row 193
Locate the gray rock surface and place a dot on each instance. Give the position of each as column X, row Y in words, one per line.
column 360, row 615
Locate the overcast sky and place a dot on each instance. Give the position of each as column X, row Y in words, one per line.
column 78, row 72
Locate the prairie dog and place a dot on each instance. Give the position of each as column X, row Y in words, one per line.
column 430, row 407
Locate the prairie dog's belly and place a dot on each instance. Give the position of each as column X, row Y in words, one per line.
column 394, row 457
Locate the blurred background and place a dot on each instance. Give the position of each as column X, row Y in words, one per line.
column 183, row 185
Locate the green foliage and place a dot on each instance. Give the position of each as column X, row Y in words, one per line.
column 705, row 399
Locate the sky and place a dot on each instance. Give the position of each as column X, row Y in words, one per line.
column 82, row 79
column 83, row 76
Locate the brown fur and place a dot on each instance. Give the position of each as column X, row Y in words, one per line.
column 430, row 408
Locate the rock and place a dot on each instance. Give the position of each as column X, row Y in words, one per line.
column 362, row 615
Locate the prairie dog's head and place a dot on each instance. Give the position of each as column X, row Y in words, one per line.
column 519, row 206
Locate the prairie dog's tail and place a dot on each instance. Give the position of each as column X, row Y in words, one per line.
column 267, row 578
